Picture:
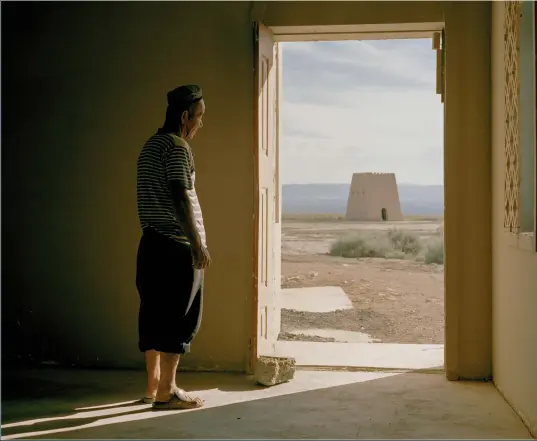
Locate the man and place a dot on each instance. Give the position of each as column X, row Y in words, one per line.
column 172, row 253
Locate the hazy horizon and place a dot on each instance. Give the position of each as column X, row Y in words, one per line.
column 361, row 106
column 349, row 182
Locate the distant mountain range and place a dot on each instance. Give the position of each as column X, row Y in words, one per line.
column 332, row 199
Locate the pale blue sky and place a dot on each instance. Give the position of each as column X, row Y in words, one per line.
column 361, row 106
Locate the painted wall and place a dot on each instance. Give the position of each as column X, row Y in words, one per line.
column 369, row 194
column 467, row 191
column 84, row 86
column 514, row 270
column 527, row 117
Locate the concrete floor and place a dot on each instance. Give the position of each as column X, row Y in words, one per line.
column 52, row 403
column 315, row 299
column 363, row 355
column 337, row 334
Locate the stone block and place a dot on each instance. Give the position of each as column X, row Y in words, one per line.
column 270, row 371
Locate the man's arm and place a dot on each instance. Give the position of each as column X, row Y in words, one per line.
column 183, row 210
column 178, row 174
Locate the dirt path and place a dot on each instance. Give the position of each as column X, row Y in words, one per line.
column 395, row 301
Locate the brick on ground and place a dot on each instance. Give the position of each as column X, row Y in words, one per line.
column 270, row 371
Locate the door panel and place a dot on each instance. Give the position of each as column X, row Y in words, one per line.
column 266, row 191
column 278, row 192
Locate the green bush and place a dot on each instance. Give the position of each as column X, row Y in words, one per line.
column 404, row 241
column 435, row 252
column 358, row 246
column 394, row 244
column 396, row 254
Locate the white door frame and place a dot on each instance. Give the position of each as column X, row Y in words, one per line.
column 319, row 33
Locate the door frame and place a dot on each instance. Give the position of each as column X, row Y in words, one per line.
column 254, row 343
column 304, row 34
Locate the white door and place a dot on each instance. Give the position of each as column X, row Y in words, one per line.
column 278, row 195
column 265, row 76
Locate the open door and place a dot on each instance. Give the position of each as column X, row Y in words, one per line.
column 265, row 289
column 278, row 197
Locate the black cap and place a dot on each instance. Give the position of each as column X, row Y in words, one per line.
column 184, row 95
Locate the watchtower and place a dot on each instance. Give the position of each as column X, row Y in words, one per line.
column 373, row 197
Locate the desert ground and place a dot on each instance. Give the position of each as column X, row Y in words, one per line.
column 397, row 297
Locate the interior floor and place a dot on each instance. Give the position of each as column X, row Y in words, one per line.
column 97, row 404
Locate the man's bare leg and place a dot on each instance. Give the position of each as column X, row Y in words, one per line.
column 169, row 396
column 152, row 364
column 168, row 369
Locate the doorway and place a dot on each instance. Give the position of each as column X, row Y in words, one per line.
column 269, row 218
column 354, row 280
column 384, row 214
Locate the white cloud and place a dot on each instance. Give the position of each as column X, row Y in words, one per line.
column 361, row 106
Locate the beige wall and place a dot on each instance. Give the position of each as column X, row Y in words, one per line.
column 467, row 188
column 369, row 193
column 309, row 13
column 514, row 271
column 85, row 91
column 87, row 84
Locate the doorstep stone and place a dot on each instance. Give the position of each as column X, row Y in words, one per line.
column 270, row 371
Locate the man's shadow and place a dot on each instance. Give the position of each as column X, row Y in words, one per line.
column 51, row 398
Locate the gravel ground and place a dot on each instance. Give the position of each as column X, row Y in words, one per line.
column 394, row 301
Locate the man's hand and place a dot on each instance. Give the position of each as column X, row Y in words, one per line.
column 200, row 257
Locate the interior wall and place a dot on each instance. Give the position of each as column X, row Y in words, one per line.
column 84, row 85
column 514, row 269
column 320, row 13
column 467, row 187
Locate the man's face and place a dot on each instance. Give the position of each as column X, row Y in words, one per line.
column 192, row 123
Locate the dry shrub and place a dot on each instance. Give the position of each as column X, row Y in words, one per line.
column 435, row 251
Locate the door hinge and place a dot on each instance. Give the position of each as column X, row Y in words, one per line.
column 439, row 47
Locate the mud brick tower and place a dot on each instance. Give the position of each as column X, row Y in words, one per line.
column 373, row 197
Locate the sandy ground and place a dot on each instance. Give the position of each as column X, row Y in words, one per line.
column 395, row 301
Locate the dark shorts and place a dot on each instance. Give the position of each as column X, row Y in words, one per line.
column 170, row 312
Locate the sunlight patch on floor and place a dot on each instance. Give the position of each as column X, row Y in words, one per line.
column 363, row 355
column 113, row 413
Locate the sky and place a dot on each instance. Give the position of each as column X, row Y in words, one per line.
column 361, row 106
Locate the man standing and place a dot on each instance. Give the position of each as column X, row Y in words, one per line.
column 172, row 253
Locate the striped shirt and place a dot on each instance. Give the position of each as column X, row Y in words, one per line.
column 165, row 158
